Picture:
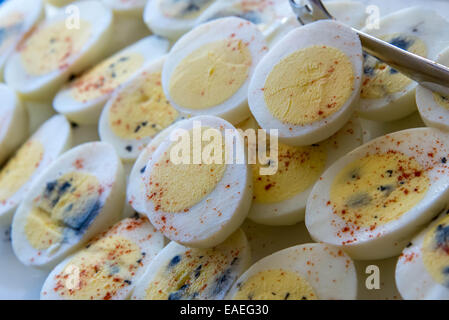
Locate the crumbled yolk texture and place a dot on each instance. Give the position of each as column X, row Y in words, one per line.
column 20, row 168
column 275, row 284
column 435, row 251
column 52, row 47
column 211, row 74
column 71, row 202
column 104, row 78
column 142, row 110
column 309, row 85
column 10, row 29
column 441, row 100
column 101, row 270
column 168, row 181
column 183, row 9
column 298, row 169
column 198, row 273
column 378, row 188
column 379, row 79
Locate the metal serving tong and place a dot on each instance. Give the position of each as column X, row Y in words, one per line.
column 427, row 73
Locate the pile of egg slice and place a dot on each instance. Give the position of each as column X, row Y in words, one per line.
column 217, row 149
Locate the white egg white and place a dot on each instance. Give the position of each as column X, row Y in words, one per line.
column 172, row 18
column 235, row 108
column 135, row 192
column 95, row 158
column 38, row 113
column 328, row 33
column 128, row 149
column 413, row 279
column 228, row 260
column 292, row 210
column 352, row 13
column 428, row 147
column 433, row 114
column 217, row 215
column 25, row 14
column 137, row 230
column 55, row 136
column 88, row 111
column 13, row 122
column 44, row 85
column 422, row 23
column 328, row 270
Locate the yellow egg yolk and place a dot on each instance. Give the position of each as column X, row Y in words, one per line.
column 379, row 79
column 10, row 29
column 435, row 251
column 104, row 78
column 68, row 203
column 51, row 48
column 298, row 169
column 198, row 273
column 142, row 110
column 168, row 181
column 183, row 9
column 275, row 284
column 211, row 74
column 378, row 189
column 309, row 85
column 19, row 169
column 101, row 270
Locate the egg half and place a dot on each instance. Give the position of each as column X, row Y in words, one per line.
column 373, row 200
column 308, row 85
column 79, row 195
column 109, row 266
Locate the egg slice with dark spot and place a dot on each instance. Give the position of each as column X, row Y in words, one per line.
column 137, row 112
column 373, row 200
column 109, row 266
column 181, row 273
column 30, row 160
column 308, row 84
column 386, row 94
column 13, row 122
column 173, row 18
column 83, row 99
column 57, row 48
column 208, row 70
column 280, row 199
column 304, row 272
column 206, row 154
column 79, row 195
column 17, row 18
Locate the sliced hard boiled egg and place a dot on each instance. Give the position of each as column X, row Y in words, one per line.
column 83, row 99
column 352, row 13
column 173, row 18
column 280, row 199
column 60, row 46
column 182, row 273
column 13, row 122
column 137, row 112
column 198, row 184
column 305, row 272
column 23, row 168
column 386, row 94
column 432, row 106
column 109, row 266
column 422, row 268
column 135, row 192
column 373, row 200
column 208, row 70
column 79, row 195
column 17, row 18
column 307, row 86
